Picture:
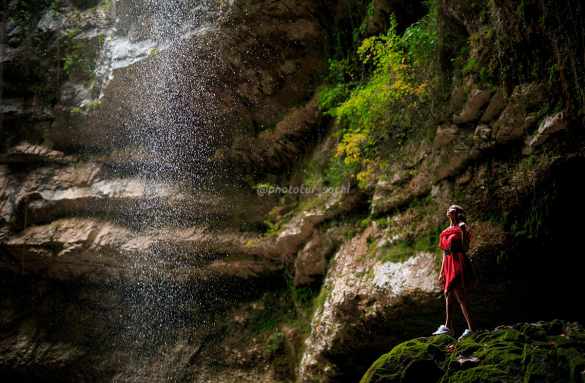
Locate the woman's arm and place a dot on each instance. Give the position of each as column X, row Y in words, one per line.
column 456, row 243
column 441, row 276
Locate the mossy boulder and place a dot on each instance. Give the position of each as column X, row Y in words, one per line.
column 416, row 360
column 538, row 352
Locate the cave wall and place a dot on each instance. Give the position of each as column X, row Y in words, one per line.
column 113, row 213
column 132, row 246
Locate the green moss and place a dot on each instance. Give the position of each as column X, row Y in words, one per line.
column 573, row 361
column 541, row 352
column 503, row 348
column 276, row 310
column 398, row 252
column 79, row 56
column 428, row 242
column 292, row 306
column 376, row 370
column 319, row 301
column 402, row 250
column 105, row 5
column 383, row 222
column 481, row 374
column 302, row 296
column 101, row 40
column 471, row 66
column 537, row 361
column 278, row 217
column 87, row 107
column 420, row 357
column 311, row 203
column 274, row 343
column 93, row 105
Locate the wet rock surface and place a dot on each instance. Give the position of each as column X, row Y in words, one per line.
column 110, row 232
column 362, row 294
column 133, row 246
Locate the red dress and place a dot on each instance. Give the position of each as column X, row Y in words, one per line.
column 456, row 267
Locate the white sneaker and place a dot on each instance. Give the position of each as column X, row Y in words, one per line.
column 442, row 330
column 466, row 333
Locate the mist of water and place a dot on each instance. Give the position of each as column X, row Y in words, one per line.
column 174, row 122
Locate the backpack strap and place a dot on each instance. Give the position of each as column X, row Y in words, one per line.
column 465, row 236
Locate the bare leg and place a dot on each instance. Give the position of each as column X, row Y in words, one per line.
column 462, row 299
column 449, row 309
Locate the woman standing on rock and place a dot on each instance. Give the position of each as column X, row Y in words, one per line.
column 456, row 273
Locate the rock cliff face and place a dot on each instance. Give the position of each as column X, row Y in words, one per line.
column 498, row 150
column 134, row 247
column 121, row 235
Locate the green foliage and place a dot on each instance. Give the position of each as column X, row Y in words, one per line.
column 76, row 60
column 553, row 73
column 460, row 58
column 421, row 40
column 336, row 172
column 471, row 66
column 75, row 63
column 368, row 111
column 331, row 96
column 368, row 102
column 72, row 33
column 70, row 62
column 343, row 71
column 273, row 228
column 265, row 323
column 382, row 222
column 302, row 296
column 357, row 33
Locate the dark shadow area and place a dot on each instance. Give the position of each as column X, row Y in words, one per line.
column 96, row 330
column 536, row 274
column 547, row 255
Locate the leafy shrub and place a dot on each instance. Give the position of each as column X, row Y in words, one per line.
column 371, row 111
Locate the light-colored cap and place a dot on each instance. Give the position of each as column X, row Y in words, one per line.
column 455, row 208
